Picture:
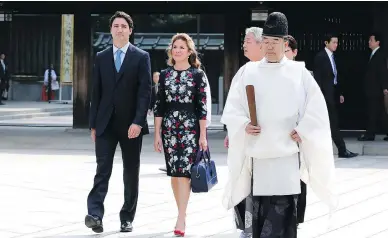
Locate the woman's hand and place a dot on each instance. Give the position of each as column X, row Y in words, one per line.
column 158, row 144
column 202, row 143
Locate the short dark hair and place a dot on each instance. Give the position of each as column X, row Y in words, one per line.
column 378, row 36
column 329, row 37
column 125, row 16
column 291, row 42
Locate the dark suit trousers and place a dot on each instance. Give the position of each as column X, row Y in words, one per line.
column 302, row 199
column 376, row 114
column 3, row 87
column 105, row 149
column 335, row 131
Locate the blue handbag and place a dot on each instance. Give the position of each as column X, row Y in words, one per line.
column 203, row 173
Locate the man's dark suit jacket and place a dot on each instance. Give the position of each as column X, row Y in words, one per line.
column 376, row 78
column 127, row 93
column 4, row 76
column 323, row 74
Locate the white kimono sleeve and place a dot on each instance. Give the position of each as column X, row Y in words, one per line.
column 236, row 118
column 234, row 115
column 317, row 160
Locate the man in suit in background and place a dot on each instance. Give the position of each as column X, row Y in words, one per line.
column 118, row 114
column 325, row 73
column 155, row 78
column 4, row 79
column 376, row 86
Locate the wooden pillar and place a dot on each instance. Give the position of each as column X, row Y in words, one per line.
column 83, row 62
column 232, row 48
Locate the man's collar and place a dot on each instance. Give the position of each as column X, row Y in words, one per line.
column 329, row 52
column 374, row 51
column 123, row 49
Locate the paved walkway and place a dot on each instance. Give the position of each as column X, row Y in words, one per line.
column 44, row 190
column 67, row 121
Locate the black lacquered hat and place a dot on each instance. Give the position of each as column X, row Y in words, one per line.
column 276, row 25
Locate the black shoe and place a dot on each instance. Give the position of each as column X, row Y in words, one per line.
column 347, row 154
column 163, row 169
column 386, row 138
column 95, row 223
column 366, row 138
column 126, row 226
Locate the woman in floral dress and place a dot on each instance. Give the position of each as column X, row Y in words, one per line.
column 181, row 113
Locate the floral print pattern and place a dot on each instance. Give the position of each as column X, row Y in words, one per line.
column 181, row 102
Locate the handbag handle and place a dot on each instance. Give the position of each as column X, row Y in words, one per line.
column 203, row 154
column 200, row 153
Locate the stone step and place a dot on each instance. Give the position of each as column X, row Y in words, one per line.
column 13, row 111
column 35, row 113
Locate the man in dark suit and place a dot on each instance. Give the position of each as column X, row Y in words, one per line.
column 118, row 114
column 325, row 73
column 4, row 79
column 376, row 86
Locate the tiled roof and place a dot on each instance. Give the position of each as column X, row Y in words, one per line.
column 160, row 41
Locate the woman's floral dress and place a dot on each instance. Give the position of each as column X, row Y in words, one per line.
column 181, row 101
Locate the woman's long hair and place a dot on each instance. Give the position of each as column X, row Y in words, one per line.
column 193, row 58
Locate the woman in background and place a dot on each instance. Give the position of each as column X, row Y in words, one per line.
column 54, row 84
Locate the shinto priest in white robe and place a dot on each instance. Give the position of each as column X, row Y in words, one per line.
column 287, row 98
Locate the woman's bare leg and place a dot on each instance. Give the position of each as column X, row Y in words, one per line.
column 181, row 188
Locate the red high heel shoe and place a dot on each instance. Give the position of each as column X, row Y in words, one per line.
column 179, row 233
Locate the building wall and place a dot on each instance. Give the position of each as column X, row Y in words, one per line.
column 36, row 41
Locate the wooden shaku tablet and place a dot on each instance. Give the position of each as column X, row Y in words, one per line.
column 250, row 90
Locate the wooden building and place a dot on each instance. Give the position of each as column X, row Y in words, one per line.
column 308, row 22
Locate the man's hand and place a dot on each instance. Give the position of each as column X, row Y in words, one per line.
column 295, row 137
column 93, row 134
column 252, row 130
column 226, row 142
column 134, row 131
column 385, row 91
column 342, row 99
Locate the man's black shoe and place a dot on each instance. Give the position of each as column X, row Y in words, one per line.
column 347, row 154
column 126, row 226
column 95, row 223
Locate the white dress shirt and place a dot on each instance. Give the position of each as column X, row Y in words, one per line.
column 330, row 54
column 3, row 65
column 373, row 52
column 333, row 65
